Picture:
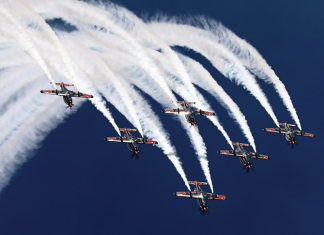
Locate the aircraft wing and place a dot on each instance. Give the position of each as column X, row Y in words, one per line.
column 275, row 130
column 51, row 92
column 203, row 113
column 212, row 196
column 229, row 152
column 260, row 156
column 175, row 111
column 301, row 133
column 146, row 141
column 81, row 95
column 187, row 194
column 118, row 139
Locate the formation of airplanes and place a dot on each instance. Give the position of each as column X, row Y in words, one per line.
column 189, row 113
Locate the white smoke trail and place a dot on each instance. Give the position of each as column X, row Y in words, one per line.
column 222, row 59
column 60, row 48
column 154, row 129
column 122, row 94
column 181, row 89
column 25, row 136
column 154, row 39
column 201, row 77
column 250, row 58
column 77, row 11
column 194, row 136
column 49, row 54
column 15, row 30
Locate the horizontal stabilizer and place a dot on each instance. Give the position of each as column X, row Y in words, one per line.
column 65, row 84
column 181, row 102
column 282, row 124
column 124, row 129
column 199, row 183
column 239, row 144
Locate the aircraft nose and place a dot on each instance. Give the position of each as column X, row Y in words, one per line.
column 192, row 123
column 249, row 166
column 70, row 104
column 205, row 209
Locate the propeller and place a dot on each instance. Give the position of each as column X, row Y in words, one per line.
column 203, row 212
column 79, row 94
column 200, row 112
column 257, row 155
column 143, row 140
column 302, row 133
column 68, row 107
column 248, row 168
column 132, row 155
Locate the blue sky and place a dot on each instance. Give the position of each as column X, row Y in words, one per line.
column 81, row 184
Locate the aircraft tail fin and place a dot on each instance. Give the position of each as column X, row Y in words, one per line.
column 199, row 183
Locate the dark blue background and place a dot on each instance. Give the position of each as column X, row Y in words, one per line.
column 89, row 186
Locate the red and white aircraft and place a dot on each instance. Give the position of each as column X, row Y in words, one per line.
column 200, row 195
column 130, row 140
column 288, row 132
column 188, row 112
column 66, row 93
column 243, row 154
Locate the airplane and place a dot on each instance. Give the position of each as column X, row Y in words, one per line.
column 243, row 154
column 130, row 140
column 200, row 195
column 188, row 112
column 67, row 94
column 288, row 132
